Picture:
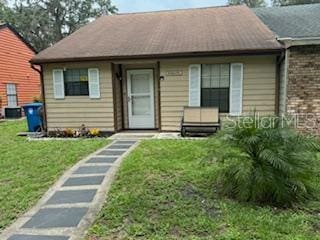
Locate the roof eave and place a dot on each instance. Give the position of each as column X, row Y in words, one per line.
column 162, row 56
column 299, row 41
column 15, row 31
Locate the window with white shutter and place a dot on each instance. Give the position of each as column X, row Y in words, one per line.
column 194, row 85
column 215, row 86
column 12, row 95
column 76, row 82
column 236, row 79
column 94, row 83
column 58, row 84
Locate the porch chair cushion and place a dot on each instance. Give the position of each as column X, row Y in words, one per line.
column 192, row 114
column 200, row 120
column 201, row 116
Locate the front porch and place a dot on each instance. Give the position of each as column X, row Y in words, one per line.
column 136, row 96
column 169, row 89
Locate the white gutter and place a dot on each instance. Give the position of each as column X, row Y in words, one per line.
column 288, row 41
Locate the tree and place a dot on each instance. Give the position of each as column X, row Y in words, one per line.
column 5, row 11
column 277, row 3
column 2, row 9
column 44, row 22
column 249, row 3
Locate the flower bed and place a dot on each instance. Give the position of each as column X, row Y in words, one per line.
column 82, row 132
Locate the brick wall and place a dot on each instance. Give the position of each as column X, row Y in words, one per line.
column 303, row 89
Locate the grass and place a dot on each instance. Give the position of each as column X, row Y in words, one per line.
column 29, row 168
column 164, row 190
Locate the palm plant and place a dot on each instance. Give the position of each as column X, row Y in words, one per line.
column 269, row 165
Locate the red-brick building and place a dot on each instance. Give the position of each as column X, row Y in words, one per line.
column 19, row 83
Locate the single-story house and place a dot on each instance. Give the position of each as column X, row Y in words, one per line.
column 139, row 70
column 298, row 29
column 19, row 83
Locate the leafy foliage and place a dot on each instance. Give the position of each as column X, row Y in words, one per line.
column 164, row 191
column 268, row 165
column 249, row 3
column 83, row 132
column 293, row 2
column 4, row 11
column 44, row 22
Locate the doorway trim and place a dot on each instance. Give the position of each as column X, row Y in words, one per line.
column 141, row 122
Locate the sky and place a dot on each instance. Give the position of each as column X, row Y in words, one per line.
column 126, row 6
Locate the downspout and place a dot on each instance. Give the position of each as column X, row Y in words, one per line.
column 114, row 98
column 42, row 93
column 159, row 94
column 286, row 64
column 279, row 61
column 288, row 42
column 121, row 90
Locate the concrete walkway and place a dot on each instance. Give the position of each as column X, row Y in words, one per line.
column 69, row 207
column 150, row 135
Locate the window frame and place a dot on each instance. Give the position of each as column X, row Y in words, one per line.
column 224, row 88
column 12, row 95
column 65, row 83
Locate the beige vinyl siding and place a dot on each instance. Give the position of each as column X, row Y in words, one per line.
column 73, row 111
column 174, row 94
column 258, row 86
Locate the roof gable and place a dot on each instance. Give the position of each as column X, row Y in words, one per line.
column 12, row 29
column 165, row 33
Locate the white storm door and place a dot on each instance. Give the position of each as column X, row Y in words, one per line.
column 140, row 99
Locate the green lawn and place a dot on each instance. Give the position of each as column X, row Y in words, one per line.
column 29, row 168
column 164, row 191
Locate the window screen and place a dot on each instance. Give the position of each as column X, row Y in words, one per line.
column 76, row 82
column 215, row 84
column 12, row 95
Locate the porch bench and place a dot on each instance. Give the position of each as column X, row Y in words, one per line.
column 200, row 121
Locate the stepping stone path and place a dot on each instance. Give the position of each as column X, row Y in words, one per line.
column 67, row 210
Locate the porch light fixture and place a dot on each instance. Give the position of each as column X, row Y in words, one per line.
column 161, row 78
column 119, row 77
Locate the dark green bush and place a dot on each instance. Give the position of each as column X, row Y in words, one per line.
column 269, row 165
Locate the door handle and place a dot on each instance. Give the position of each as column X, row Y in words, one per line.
column 129, row 99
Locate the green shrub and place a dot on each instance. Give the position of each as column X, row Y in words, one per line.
column 271, row 165
column 37, row 99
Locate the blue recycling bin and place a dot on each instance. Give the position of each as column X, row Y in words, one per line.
column 33, row 115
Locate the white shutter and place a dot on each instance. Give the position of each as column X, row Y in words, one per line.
column 94, row 83
column 194, row 85
column 236, row 79
column 58, row 84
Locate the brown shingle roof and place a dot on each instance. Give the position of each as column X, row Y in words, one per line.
column 165, row 33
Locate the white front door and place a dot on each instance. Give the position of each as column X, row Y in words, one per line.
column 140, row 99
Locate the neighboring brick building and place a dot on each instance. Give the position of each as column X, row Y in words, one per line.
column 298, row 28
column 303, row 86
column 19, row 83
